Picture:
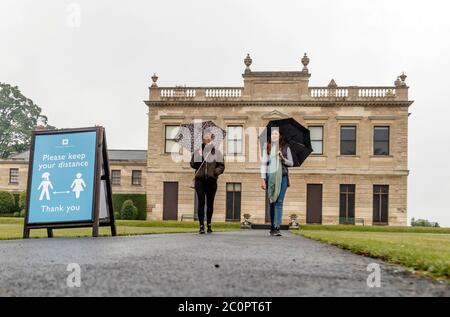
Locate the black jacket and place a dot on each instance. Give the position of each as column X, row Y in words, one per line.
column 212, row 167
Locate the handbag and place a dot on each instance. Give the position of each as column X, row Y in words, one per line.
column 195, row 174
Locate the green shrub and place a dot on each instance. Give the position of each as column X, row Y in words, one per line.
column 16, row 214
column 8, row 215
column 7, row 202
column 117, row 215
column 23, row 200
column 139, row 200
column 16, row 207
column 23, row 213
column 128, row 211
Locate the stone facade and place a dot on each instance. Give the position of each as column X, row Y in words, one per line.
column 273, row 95
column 124, row 160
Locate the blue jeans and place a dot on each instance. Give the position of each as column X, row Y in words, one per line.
column 276, row 208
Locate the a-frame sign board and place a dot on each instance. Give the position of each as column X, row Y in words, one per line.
column 69, row 185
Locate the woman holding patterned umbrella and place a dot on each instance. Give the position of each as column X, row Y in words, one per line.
column 208, row 164
column 201, row 138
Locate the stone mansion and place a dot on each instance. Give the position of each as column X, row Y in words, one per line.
column 357, row 173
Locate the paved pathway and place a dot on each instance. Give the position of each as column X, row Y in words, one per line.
column 244, row 263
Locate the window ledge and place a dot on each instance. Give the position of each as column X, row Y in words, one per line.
column 381, row 156
column 234, row 156
column 353, row 156
column 13, row 184
column 169, row 154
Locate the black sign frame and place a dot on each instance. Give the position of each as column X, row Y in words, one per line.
column 101, row 172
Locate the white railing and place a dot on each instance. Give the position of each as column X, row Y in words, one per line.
column 200, row 93
column 177, row 93
column 376, row 92
column 354, row 93
column 325, row 92
column 223, row 93
column 167, row 93
column 316, row 93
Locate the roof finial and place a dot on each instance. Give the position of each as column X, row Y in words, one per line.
column 332, row 84
column 398, row 82
column 154, row 79
column 305, row 62
column 248, row 62
column 403, row 78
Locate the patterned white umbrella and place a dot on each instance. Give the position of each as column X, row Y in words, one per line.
column 190, row 135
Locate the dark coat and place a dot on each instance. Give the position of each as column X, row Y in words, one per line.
column 212, row 167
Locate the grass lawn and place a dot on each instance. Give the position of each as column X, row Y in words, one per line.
column 423, row 250
column 12, row 228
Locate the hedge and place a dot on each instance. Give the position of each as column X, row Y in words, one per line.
column 16, row 207
column 19, row 204
column 139, row 200
column 23, row 201
column 7, row 202
column 8, row 215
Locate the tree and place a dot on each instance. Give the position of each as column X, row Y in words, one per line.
column 19, row 116
column 423, row 223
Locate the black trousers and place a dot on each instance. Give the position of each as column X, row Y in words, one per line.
column 206, row 189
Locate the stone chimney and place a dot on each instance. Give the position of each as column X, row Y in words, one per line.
column 276, row 85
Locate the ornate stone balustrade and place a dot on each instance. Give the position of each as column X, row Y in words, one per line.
column 352, row 93
column 325, row 92
column 200, row 93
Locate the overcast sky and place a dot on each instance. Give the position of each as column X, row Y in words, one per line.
column 98, row 71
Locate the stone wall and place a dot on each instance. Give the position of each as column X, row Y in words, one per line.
column 330, row 169
column 125, row 167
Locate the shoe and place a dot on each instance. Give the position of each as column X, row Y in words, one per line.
column 272, row 232
column 209, row 230
column 202, row 230
column 278, row 233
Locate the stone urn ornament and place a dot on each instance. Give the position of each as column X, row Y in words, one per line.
column 294, row 223
column 246, row 224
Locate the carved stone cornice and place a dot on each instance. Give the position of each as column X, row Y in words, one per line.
column 278, row 103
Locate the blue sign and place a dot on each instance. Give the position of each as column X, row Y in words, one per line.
column 62, row 179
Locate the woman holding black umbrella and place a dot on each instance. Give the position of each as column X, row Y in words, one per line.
column 208, row 164
column 276, row 159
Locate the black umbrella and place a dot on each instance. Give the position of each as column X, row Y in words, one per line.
column 190, row 135
column 294, row 134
